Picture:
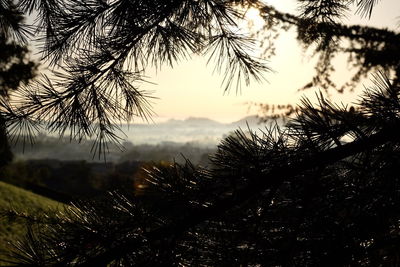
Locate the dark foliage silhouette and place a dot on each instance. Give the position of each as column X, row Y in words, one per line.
column 319, row 29
column 368, row 49
column 15, row 69
column 323, row 191
column 100, row 51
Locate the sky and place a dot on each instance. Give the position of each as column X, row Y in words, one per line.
column 191, row 89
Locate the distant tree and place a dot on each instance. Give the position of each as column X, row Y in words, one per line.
column 15, row 69
column 319, row 28
column 324, row 191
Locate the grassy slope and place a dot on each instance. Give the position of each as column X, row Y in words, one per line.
column 22, row 201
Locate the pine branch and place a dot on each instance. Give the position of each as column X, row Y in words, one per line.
column 261, row 182
column 365, row 7
column 186, row 199
column 103, row 48
column 368, row 49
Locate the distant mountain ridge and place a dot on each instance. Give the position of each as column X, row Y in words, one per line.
column 193, row 121
column 251, row 120
column 202, row 133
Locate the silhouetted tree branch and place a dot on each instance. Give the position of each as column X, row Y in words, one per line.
column 254, row 181
column 100, row 51
column 369, row 49
column 322, row 191
column 15, row 68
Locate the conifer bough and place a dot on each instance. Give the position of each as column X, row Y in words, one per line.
column 323, row 191
column 100, row 50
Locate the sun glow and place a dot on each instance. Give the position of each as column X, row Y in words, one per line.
column 253, row 18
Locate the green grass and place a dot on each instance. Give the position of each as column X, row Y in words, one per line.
column 12, row 197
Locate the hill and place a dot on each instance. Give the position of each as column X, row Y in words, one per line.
column 252, row 120
column 21, row 201
column 192, row 121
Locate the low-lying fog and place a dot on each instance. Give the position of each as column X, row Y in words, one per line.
column 193, row 138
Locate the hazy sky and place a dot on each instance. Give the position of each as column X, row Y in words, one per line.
column 191, row 88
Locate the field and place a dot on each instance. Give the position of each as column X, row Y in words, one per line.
column 18, row 199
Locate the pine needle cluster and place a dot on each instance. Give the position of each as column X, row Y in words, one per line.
column 322, row 191
column 100, row 50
